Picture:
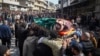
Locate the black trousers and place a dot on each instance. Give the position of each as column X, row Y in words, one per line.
column 16, row 42
column 20, row 44
column 6, row 42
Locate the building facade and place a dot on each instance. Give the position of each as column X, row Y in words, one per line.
column 40, row 5
column 65, row 3
column 28, row 5
column 51, row 7
column 97, row 8
column 34, row 5
column 24, row 5
column 77, row 7
column 0, row 4
column 10, row 4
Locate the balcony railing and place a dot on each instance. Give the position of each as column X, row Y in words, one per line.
column 11, row 2
column 30, row 5
column 43, row 1
column 35, row 8
column 40, row 5
column 43, row 6
column 37, row 4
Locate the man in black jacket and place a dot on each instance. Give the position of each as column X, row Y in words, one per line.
column 17, row 28
column 87, row 44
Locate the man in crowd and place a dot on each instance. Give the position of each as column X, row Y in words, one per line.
column 5, row 34
column 4, row 51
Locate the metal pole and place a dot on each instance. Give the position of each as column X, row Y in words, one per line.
column 62, row 7
column 2, row 4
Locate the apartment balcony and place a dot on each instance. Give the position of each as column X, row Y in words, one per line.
column 35, row 8
column 43, row 1
column 51, row 8
column 37, row 4
column 43, row 6
column 31, row 0
column 40, row 5
column 30, row 5
column 11, row 2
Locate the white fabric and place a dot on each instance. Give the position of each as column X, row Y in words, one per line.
column 40, row 40
column 17, row 17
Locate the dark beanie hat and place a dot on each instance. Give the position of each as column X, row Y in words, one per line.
column 3, row 50
column 77, row 47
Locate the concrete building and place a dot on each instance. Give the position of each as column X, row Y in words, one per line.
column 0, row 4
column 65, row 3
column 34, row 5
column 57, row 6
column 40, row 5
column 13, row 5
column 51, row 7
column 24, row 5
column 10, row 4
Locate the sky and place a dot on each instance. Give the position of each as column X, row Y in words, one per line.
column 54, row 1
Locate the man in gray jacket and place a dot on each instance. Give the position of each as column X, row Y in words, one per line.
column 29, row 44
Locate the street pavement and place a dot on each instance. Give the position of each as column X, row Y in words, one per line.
column 14, row 50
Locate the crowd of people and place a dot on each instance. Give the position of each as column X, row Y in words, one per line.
column 70, row 37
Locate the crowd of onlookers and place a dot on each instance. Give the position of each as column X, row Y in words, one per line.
column 76, row 39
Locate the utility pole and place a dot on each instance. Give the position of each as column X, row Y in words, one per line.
column 2, row 4
column 62, row 7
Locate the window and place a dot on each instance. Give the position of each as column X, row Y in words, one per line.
column 39, row 2
column 32, row 2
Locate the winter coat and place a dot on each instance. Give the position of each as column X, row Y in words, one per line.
column 17, row 29
column 5, row 31
column 87, row 46
column 29, row 46
column 55, row 45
